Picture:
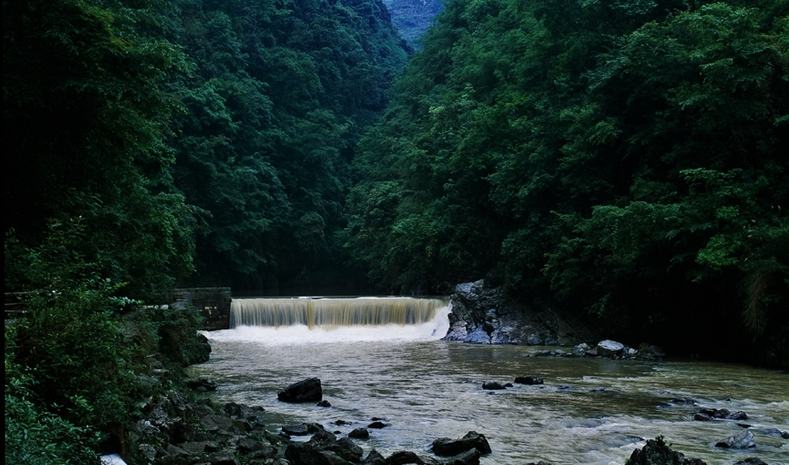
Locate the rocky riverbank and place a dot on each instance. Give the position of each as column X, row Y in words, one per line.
column 484, row 315
column 189, row 428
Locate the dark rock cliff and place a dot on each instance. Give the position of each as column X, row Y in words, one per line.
column 484, row 315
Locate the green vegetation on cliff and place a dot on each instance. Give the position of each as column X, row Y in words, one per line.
column 625, row 160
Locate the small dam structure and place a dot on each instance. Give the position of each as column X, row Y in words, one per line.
column 336, row 319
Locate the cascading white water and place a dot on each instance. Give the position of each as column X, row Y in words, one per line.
column 305, row 319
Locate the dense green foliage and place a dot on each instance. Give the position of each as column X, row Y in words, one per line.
column 273, row 104
column 85, row 115
column 622, row 159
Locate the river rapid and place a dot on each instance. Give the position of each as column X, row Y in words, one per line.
column 591, row 411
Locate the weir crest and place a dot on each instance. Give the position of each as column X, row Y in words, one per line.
column 329, row 313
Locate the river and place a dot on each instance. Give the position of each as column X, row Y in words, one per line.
column 589, row 411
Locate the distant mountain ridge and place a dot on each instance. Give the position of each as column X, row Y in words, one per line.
column 413, row 17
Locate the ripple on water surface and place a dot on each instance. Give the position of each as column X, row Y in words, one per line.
column 589, row 411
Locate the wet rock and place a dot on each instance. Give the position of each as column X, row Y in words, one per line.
column 708, row 414
column 609, row 348
column 246, row 445
column 581, row 349
column 308, row 390
column 374, row 458
column 472, row 440
column 377, row 425
column 751, row 461
column 323, row 403
column 359, row 433
column 174, row 455
column 469, row 457
column 493, row 386
column 743, row 440
column 195, row 447
column 214, row 423
column 775, row 432
column 405, row 457
column 201, row 385
column 539, row 463
column 242, row 426
column 657, row 452
column 529, row 380
column 302, row 429
column 223, row 458
column 306, row 454
column 377, row 419
column 344, row 448
column 341, row 422
column 253, row 414
column 148, row 451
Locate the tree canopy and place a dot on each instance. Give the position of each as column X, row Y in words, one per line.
column 626, row 160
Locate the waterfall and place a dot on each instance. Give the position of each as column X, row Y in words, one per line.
column 311, row 319
column 333, row 312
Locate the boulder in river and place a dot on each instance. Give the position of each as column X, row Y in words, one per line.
column 657, row 452
column 470, row 457
column 609, row 348
column 377, row 425
column 708, row 414
column 323, row 403
column 374, row 458
column 302, row 429
column 308, row 390
column 743, row 440
column 407, row 457
column 529, row 380
column 493, row 386
column 201, row 385
column 359, row 433
column 446, row 447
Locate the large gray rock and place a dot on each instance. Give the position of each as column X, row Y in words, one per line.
column 609, row 348
column 483, row 315
column 743, row 440
column 308, row 390
column 374, row 458
column 657, row 452
column 446, row 447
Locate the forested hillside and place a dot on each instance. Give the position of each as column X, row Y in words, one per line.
column 622, row 160
column 273, row 105
column 208, row 129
